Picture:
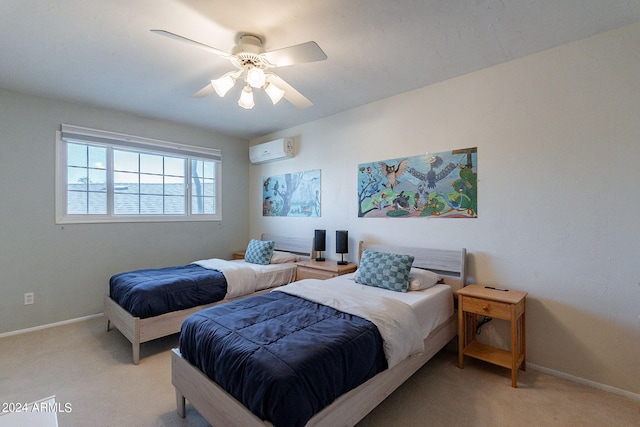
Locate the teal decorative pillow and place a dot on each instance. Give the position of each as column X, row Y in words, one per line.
column 259, row 251
column 384, row 270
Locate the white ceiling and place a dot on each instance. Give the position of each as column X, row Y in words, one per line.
column 101, row 52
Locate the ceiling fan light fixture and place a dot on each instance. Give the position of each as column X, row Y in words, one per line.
column 246, row 98
column 274, row 92
column 223, row 84
column 255, row 77
column 252, row 65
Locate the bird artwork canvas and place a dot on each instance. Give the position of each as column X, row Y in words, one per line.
column 292, row 194
column 441, row 185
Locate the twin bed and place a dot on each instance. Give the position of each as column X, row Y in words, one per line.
column 320, row 353
column 148, row 304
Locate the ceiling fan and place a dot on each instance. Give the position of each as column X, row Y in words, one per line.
column 253, row 65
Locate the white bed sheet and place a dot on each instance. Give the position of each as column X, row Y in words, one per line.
column 395, row 320
column 271, row 275
column 431, row 306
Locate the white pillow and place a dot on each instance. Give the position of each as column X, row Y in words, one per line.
column 280, row 257
column 420, row 279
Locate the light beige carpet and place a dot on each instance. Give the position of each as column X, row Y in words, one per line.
column 91, row 370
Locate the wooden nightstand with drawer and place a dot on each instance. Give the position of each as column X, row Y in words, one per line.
column 499, row 304
column 322, row 269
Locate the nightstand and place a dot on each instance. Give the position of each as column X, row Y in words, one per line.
column 499, row 304
column 322, row 269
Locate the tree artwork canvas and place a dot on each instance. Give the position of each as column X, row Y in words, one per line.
column 442, row 185
column 292, row 194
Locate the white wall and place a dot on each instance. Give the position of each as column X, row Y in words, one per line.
column 558, row 137
column 68, row 267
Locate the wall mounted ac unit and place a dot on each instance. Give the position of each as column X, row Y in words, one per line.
column 271, row 151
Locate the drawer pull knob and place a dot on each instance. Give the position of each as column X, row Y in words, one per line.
column 485, row 307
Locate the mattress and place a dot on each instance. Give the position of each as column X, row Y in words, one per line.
column 432, row 306
column 271, row 275
column 153, row 292
column 223, row 342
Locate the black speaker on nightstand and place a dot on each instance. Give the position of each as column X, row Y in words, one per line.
column 342, row 245
column 319, row 243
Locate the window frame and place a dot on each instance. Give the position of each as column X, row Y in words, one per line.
column 111, row 140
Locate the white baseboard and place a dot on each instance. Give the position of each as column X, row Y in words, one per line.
column 50, row 325
column 603, row 387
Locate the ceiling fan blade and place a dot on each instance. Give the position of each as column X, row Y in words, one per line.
column 207, row 90
column 298, row 54
column 290, row 93
column 192, row 42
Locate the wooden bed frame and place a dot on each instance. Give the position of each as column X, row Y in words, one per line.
column 139, row 330
column 221, row 409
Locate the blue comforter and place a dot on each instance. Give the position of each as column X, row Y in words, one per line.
column 283, row 357
column 147, row 293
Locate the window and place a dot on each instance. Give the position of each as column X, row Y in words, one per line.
column 108, row 177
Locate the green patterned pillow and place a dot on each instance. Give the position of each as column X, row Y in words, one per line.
column 384, row 270
column 259, row 251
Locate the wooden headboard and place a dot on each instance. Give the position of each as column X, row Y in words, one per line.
column 450, row 264
column 302, row 246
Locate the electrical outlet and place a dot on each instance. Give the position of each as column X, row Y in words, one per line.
column 29, row 298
